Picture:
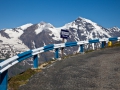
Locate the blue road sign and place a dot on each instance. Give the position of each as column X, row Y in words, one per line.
column 64, row 33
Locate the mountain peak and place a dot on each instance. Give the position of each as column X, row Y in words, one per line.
column 42, row 23
column 115, row 28
column 79, row 18
column 25, row 26
column 83, row 20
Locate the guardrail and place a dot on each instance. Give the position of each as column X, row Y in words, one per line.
column 6, row 64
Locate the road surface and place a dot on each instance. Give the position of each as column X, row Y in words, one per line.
column 98, row 70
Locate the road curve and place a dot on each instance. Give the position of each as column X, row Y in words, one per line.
column 98, row 70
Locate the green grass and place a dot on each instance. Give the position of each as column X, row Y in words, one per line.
column 21, row 79
column 116, row 44
column 89, row 51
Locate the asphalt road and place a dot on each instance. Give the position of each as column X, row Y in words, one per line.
column 98, row 70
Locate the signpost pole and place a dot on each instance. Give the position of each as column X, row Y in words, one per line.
column 62, row 52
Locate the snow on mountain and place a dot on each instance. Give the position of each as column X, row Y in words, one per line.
column 96, row 27
column 23, row 27
column 42, row 26
column 11, row 37
column 114, row 32
column 15, row 43
column 56, row 33
column 17, row 32
column 14, row 33
column 114, row 29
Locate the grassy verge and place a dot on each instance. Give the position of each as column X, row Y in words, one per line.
column 21, row 79
column 89, row 51
column 115, row 44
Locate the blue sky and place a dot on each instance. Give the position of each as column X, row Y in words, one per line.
column 14, row 13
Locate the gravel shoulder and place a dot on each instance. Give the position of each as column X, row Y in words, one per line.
column 98, row 70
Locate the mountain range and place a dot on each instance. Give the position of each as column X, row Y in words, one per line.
column 30, row 36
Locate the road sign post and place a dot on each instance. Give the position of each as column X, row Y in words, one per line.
column 64, row 35
column 62, row 49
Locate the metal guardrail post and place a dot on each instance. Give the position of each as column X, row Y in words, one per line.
column 4, row 80
column 81, row 48
column 35, row 61
column 103, row 44
column 56, row 53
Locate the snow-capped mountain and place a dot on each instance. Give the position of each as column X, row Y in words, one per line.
column 30, row 36
column 10, row 38
column 115, row 31
column 84, row 29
